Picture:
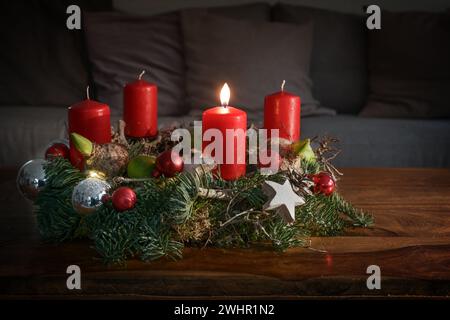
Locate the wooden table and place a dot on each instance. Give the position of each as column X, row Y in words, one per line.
column 410, row 242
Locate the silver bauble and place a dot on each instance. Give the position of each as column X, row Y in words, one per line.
column 87, row 195
column 31, row 178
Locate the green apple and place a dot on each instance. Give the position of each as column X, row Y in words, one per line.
column 304, row 150
column 141, row 166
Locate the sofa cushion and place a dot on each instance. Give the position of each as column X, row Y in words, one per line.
column 252, row 57
column 250, row 12
column 409, row 66
column 26, row 131
column 121, row 45
column 42, row 62
column 338, row 59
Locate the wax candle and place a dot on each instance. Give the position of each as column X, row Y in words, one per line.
column 140, row 108
column 233, row 144
column 282, row 111
column 91, row 119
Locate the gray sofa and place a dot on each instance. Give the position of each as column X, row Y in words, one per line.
column 26, row 130
column 365, row 142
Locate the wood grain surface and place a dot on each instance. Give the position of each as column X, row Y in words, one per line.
column 410, row 242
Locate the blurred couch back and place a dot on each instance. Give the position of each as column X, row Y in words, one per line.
column 349, row 6
column 43, row 80
column 338, row 64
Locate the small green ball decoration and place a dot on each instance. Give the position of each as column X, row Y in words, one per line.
column 141, row 167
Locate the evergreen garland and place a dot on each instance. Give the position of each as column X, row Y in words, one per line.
column 174, row 212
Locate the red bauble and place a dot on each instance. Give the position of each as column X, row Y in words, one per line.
column 76, row 159
column 123, row 198
column 168, row 163
column 57, row 150
column 323, row 183
column 105, row 198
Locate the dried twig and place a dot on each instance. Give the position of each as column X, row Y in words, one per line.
column 243, row 213
column 327, row 152
column 122, row 139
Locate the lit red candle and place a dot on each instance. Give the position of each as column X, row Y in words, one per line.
column 282, row 111
column 91, row 119
column 233, row 144
column 140, row 108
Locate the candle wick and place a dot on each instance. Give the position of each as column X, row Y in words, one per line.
column 142, row 73
column 282, row 85
column 87, row 93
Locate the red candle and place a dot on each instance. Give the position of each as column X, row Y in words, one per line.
column 224, row 118
column 91, row 119
column 282, row 111
column 140, row 108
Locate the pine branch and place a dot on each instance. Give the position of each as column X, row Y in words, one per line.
column 154, row 240
column 318, row 216
column 56, row 218
column 285, row 236
column 357, row 217
column 184, row 191
column 310, row 167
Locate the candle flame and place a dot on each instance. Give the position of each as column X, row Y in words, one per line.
column 225, row 95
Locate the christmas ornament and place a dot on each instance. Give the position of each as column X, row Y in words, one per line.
column 282, row 198
column 123, row 199
column 31, row 178
column 323, row 183
column 105, row 198
column 110, row 158
column 57, row 150
column 303, row 149
column 168, row 163
column 88, row 194
column 141, row 166
column 62, row 141
column 77, row 159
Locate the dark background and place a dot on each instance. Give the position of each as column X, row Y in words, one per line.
column 383, row 93
column 351, row 6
